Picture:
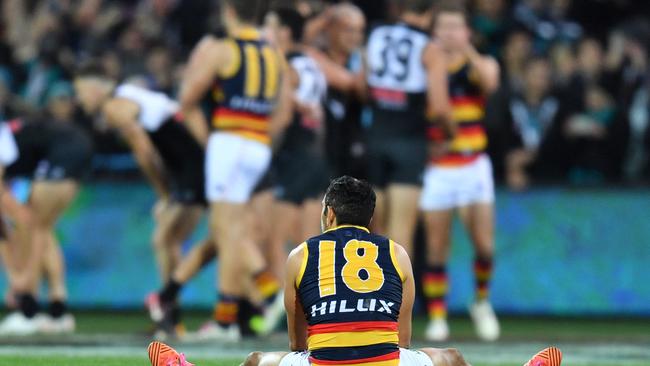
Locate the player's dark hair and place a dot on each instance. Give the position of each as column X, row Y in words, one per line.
column 418, row 6
column 247, row 10
column 293, row 20
column 352, row 200
column 453, row 7
column 91, row 69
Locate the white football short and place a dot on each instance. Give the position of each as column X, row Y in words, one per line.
column 407, row 357
column 233, row 167
column 450, row 187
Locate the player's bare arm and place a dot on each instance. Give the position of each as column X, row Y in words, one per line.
column 486, row 69
column 122, row 115
column 408, row 296
column 338, row 77
column 437, row 87
column 210, row 58
column 296, row 322
column 283, row 112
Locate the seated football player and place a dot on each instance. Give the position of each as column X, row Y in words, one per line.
column 349, row 296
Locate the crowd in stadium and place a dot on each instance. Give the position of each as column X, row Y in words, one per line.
column 572, row 106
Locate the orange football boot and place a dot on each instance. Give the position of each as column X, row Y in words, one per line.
column 551, row 356
column 161, row 354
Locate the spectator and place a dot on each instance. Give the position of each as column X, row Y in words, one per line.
column 547, row 21
column 517, row 48
column 534, row 145
column 60, row 103
column 490, row 24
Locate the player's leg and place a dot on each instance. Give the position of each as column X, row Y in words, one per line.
column 284, row 218
column 407, row 159
column 58, row 319
column 267, row 359
column 48, row 201
column 437, row 202
column 444, row 357
column 402, row 213
column 478, row 217
column 310, row 218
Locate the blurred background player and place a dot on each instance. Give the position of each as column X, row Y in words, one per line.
column 299, row 161
column 243, row 76
column 166, row 151
column 334, row 38
column 56, row 155
column 460, row 177
column 407, row 81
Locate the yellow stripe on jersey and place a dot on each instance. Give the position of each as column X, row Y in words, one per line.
column 351, row 339
column 393, row 257
column 235, row 62
column 467, row 113
column 303, row 265
column 326, row 268
column 272, row 71
column 249, row 123
column 469, row 143
column 259, row 137
column 344, row 226
column 394, row 362
column 253, row 71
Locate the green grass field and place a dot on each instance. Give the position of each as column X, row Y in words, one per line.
column 108, row 339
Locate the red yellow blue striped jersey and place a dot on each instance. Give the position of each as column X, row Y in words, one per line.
column 350, row 287
column 244, row 96
column 468, row 111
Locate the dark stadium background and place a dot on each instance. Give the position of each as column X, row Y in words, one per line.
column 575, row 242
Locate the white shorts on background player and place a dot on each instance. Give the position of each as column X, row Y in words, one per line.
column 407, row 357
column 450, row 187
column 233, row 167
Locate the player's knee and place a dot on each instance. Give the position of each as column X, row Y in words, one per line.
column 454, row 357
column 253, row 359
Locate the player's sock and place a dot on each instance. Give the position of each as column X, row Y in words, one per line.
column 226, row 310
column 435, row 291
column 483, row 275
column 169, row 293
column 57, row 308
column 267, row 285
column 28, row 305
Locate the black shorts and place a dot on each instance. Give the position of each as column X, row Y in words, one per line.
column 399, row 160
column 62, row 152
column 301, row 176
column 267, row 182
column 184, row 161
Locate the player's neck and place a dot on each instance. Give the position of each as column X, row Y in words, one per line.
column 416, row 20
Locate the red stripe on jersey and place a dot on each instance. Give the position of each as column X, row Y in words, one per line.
column 386, row 357
column 467, row 100
column 352, row 327
column 226, row 112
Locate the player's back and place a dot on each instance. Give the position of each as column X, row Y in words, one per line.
column 350, row 287
column 244, row 96
column 397, row 79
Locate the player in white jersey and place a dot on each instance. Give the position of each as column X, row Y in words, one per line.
column 300, row 163
column 408, row 88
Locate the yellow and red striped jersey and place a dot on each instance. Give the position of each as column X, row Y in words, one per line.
column 350, row 287
column 468, row 111
column 244, row 96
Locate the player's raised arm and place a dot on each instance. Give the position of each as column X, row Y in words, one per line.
column 485, row 69
column 408, row 296
column 296, row 321
column 122, row 114
column 437, row 87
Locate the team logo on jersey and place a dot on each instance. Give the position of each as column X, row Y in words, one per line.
column 362, row 305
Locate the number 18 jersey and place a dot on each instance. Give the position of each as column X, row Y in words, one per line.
column 397, row 80
column 350, row 287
